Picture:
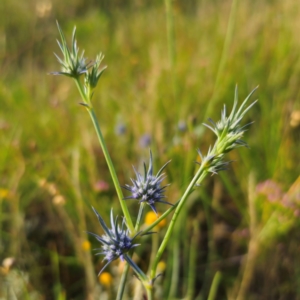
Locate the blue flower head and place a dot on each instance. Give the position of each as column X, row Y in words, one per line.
column 116, row 241
column 148, row 188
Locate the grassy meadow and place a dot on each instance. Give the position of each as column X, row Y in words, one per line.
column 168, row 71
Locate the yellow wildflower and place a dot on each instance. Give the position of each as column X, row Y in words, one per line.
column 4, row 193
column 151, row 217
column 105, row 279
column 86, row 245
column 161, row 266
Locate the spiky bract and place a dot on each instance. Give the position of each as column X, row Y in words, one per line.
column 148, row 188
column 73, row 64
column 228, row 129
column 116, row 242
column 229, row 134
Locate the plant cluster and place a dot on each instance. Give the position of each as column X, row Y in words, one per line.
column 118, row 241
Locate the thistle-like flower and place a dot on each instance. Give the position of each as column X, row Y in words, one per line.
column 228, row 129
column 92, row 77
column 116, row 241
column 229, row 134
column 73, row 64
column 148, row 188
column 214, row 163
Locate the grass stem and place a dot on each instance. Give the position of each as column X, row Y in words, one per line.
column 214, row 286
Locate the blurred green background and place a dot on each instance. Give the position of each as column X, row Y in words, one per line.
column 168, row 71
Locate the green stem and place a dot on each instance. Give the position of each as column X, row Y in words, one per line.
column 211, row 251
column 214, row 286
column 192, row 262
column 86, row 99
column 163, row 216
column 175, row 266
column 122, row 282
column 111, row 168
column 139, row 218
column 155, row 243
column 121, row 287
column 201, row 173
column 150, row 293
column 140, row 274
column 83, row 95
